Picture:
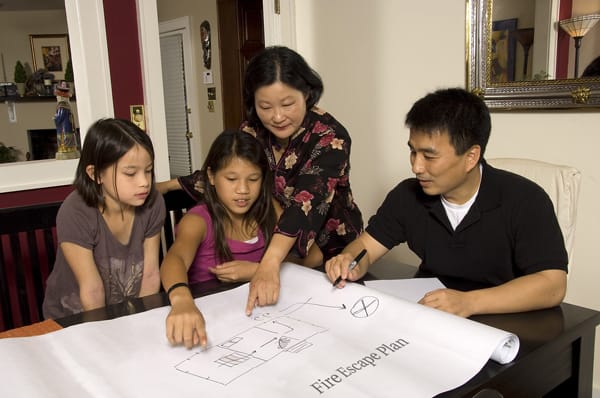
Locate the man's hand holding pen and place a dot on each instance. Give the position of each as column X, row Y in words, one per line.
column 346, row 266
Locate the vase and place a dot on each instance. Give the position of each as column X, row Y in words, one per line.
column 21, row 89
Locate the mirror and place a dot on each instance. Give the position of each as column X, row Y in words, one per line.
column 518, row 57
column 90, row 63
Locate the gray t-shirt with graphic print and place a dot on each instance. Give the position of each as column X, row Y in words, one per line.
column 120, row 266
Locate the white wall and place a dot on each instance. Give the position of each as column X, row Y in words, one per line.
column 377, row 57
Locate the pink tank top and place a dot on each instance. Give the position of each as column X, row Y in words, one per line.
column 205, row 256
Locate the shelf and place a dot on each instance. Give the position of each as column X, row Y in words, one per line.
column 36, row 98
column 39, row 98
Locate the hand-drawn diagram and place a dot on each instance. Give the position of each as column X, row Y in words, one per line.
column 276, row 334
column 365, row 307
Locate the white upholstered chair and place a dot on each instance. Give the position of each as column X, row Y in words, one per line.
column 560, row 182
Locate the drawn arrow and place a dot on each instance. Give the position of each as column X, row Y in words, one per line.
column 268, row 342
column 291, row 308
column 341, row 307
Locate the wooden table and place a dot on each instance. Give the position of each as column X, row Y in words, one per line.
column 35, row 329
column 555, row 357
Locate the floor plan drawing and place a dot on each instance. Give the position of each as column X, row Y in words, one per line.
column 276, row 334
column 251, row 348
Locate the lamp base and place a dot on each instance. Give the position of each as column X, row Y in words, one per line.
column 67, row 155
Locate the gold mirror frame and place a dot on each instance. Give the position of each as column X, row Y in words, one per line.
column 534, row 94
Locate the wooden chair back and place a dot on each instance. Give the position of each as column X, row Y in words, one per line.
column 28, row 246
column 27, row 252
column 177, row 202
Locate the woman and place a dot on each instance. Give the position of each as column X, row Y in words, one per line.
column 309, row 154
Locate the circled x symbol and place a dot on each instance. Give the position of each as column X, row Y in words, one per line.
column 365, row 307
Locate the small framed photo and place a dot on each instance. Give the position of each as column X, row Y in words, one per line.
column 138, row 117
column 50, row 52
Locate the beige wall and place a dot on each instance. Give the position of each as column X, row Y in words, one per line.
column 15, row 28
column 211, row 123
column 376, row 58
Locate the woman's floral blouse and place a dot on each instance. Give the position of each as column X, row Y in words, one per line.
column 311, row 184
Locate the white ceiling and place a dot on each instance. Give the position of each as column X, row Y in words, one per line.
column 28, row 5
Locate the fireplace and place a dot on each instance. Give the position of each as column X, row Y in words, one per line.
column 42, row 143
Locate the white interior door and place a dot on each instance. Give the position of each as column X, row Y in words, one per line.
column 181, row 121
column 180, row 162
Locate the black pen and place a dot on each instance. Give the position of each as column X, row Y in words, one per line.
column 352, row 265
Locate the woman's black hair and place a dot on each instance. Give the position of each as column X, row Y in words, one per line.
column 228, row 145
column 280, row 64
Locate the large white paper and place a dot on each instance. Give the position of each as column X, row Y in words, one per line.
column 412, row 289
column 318, row 341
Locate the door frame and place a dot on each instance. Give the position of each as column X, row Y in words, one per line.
column 152, row 70
column 183, row 26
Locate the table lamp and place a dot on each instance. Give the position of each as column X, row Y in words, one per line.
column 577, row 27
column 525, row 38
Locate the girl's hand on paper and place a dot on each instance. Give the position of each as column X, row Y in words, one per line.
column 449, row 300
column 235, row 271
column 185, row 325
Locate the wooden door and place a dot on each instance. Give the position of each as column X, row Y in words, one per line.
column 241, row 36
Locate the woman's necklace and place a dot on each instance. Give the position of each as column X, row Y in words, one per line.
column 279, row 144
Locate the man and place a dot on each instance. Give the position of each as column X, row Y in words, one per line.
column 491, row 236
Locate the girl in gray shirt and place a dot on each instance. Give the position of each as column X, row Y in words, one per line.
column 109, row 227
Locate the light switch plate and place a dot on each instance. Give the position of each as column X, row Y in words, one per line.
column 207, row 77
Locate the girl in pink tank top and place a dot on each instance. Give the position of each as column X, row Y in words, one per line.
column 225, row 235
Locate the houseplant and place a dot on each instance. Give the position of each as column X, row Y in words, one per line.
column 20, row 77
column 8, row 153
column 69, row 76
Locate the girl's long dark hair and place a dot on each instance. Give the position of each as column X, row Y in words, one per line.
column 106, row 141
column 228, row 145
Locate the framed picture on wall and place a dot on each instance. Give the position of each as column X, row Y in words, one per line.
column 50, row 52
column 504, row 47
